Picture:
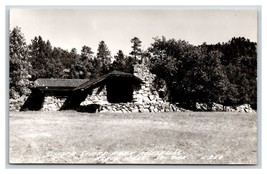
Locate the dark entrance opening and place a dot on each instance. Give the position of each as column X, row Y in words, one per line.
column 119, row 90
column 34, row 102
column 73, row 101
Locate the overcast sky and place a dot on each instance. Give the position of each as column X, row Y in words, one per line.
column 73, row 28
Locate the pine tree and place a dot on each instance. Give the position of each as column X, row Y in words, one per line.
column 104, row 58
column 40, row 56
column 136, row 48
column 19, row 66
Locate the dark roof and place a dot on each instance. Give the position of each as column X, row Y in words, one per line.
column 103, row 79
column 70, row 83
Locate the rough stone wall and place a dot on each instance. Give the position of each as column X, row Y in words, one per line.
column 97, row 97
column 147, row 94
column 16, row 104
column 52, row 103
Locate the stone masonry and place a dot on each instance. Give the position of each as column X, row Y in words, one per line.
column 146, row 99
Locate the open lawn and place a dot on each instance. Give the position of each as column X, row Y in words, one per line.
column 140, row 138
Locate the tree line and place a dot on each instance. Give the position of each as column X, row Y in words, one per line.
column 224, row 73
column 40, row 59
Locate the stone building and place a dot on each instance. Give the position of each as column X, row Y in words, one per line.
column 114, row 92
column 50, row 94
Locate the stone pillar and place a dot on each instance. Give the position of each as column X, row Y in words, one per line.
column 147, row 93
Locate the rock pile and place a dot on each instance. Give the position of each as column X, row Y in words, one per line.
column 205, row 107
column 244, row 108
column 218, row 107
column 52, row 103
column 16, row 104
column 144, row 107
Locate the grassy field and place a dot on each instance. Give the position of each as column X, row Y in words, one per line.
column 162, row 138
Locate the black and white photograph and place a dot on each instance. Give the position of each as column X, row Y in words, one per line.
column 140, row 85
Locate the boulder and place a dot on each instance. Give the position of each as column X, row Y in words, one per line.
column 146, row 110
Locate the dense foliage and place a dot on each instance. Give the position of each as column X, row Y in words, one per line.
column 224, row 73
column 19, row 65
